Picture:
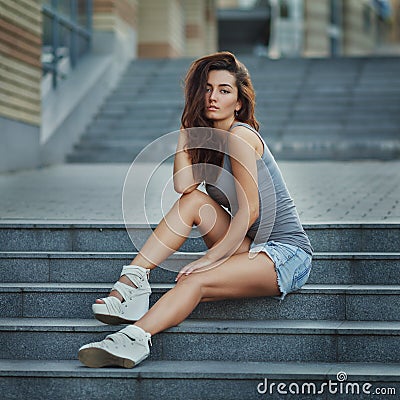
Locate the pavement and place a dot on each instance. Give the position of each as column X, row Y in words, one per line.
column 362, row 191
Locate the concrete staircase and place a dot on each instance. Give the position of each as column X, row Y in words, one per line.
column 346, row 319
column 339, row 109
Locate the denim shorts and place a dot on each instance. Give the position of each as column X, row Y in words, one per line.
column 292, row 264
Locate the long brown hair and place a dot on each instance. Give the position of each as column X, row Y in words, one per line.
column 193, row 115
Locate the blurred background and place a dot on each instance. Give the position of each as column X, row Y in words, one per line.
column 73, row 72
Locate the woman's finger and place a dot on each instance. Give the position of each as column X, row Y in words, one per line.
column 182, row 272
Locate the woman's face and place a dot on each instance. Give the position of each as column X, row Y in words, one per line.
column 221, row 98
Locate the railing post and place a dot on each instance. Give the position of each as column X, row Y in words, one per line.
column 55, row 43
column 73, row 49
column 89, row 26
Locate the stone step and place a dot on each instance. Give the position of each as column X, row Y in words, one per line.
column 114, row 141
column 313, row 301
column 301, row 150
column 193, row 380
column 125, row 133
column 106, row 156
column 335, row 135
column 132, row 129
column 111, row 119
column 158, row 100
column 130, row 146
column 294, row 118
column 324, row 130
column 218, row 340
column 280, row 99
column 318, row 105
column 313, row 122
column 347, row 89
column 105, row 267
column 111, row 236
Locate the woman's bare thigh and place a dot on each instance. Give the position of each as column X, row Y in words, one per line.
column 214, row 221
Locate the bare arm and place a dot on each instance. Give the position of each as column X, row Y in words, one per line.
column 183, row 175
column 244, row 168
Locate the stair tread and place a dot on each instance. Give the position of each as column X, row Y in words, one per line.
column 212, row 326
column 206, row 369
column 93, row 287
column 184, row 254
column 118, row 224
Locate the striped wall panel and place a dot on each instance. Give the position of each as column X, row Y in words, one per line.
column 20, row 65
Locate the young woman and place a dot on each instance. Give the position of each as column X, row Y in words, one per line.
column 257, row 248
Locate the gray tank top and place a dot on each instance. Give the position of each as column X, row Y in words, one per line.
column 278, row 219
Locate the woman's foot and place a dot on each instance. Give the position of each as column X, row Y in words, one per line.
column 132, row 300
column 125, row 348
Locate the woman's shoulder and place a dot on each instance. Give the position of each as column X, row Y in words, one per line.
column 249, row 135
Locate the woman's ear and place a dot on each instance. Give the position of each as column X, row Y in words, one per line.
column 238, row 106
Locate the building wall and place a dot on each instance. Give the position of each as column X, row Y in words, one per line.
column 106, row 13
column 176, row 28
column 161, row 28
column 389, row 34
column 115, row 24
column 287, row 39
column 195, row 27
column 201, row 36
column 228, row 3
column 394, row 35
column 316, row 20
column 20, row 53
column 20, row 83
column 359, row 28
column 211, row 30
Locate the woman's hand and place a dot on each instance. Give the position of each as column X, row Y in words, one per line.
column 203, row 264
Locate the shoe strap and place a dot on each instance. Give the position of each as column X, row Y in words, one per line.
column 113, row 304
column 137, row 275
column 124, row 290
column 134, row 332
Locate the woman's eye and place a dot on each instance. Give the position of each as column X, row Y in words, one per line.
column 224, row 91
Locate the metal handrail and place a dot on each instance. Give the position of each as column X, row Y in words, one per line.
column 71, row 24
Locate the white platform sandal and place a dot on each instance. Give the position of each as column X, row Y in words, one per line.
column 125, row 348
column 136, row 299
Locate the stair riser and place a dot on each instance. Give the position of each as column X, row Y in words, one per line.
column 107, row 270
column 319, row 152
column 101, row 238
column 300, row 305
column 333, row 153
column 185, row 388
column 194, row 346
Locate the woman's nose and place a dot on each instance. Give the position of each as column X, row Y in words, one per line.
column 213, row 95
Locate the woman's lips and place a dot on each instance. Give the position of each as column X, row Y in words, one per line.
column 212, row 108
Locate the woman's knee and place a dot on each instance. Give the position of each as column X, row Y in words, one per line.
column 193, row 197
column 191, row 282
column 194, row 201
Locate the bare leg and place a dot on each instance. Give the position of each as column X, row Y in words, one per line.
column 194, row 208
column 237, row 277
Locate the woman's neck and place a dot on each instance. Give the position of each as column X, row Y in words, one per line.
column 224, row 125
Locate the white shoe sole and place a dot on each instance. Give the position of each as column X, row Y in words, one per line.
column 113, row 319
column 98, row 358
